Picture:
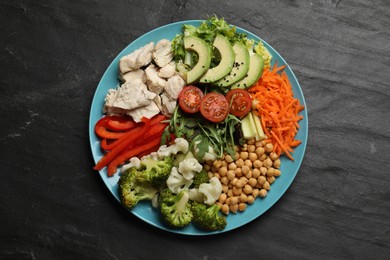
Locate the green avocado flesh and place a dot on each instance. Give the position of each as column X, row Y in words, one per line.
column 222, row 44
column 256, row 65
column 240, row 66
column 199, row 46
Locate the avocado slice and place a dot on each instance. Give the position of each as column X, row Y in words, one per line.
column 240, row 66
column 256, row 65
column 192, row 43
column 222, row 44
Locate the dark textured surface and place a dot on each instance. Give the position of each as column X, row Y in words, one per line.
column 53, row 205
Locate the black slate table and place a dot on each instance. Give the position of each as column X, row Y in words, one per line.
column 54, row 206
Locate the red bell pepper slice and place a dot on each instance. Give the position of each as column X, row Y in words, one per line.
column 120, row 123
column 126, row 139
column 113, row 165
column 102, row 132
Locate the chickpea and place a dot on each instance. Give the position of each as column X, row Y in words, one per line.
column 257, row 163
column 266, row 185
column 217, row 164
column 261, row 180
column 236, row 191
column 248, row 163
column 244, row 155
column 222, row 198
column 224, row 180
column 252, row 182
column 225, row 209
column 233, row 208
column 255, row 173
column 270, row 172
column 206, row 167
column 240, row 184
column 234, row 181
column 230, row 193
column 238, row 172
column 273, row 156
column 258, row 144
column 255, row 193
column 248, row 175
column 269, row 147
column 222, row 171
column 251, row 148
column 233, row 200
column 228, row 158
column 263, row 170
column 277, row 173
column 263, row 193
column 263, row 157
column 244, row 147
column 276, row 163
column 230, row 175
column 210, row 174
column 224, row 164
column 214, row 169
column 225, row 188
column 244, row 180
column 227, row 201
column 247, row 189
column 232, row 166
column 217, row 175
column 241, row 206
column 263, row 143
column 253, row 157
column 236, row 148
column 250, row 200
column 245, row 169
column 260, row 151
column 240, row 162
column 267, row 162
column 271, row 179
column 243, row 197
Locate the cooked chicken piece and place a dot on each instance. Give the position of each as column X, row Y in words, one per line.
column 163, row 54
column 168, row 105
column 168, row 70
column 154, row 82
column 137, row 59
column 130, row 95
column 109, row 101
column 147, row 111
column 174, row 85
column 133, row 75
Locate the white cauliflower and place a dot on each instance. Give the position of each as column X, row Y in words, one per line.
column 189, row 167
column 211, row 191
column 180, row 145
column 196, row 195
column 176, row 182
column 134, row 162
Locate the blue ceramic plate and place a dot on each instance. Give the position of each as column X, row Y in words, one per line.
column 144, row 210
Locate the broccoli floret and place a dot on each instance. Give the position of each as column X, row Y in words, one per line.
column 175, row 209
column 208, row 217
column 199, row 178
column 155, row 172
column 131, row 191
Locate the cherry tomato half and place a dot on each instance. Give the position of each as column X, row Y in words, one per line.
column 240, row 102
column 189, row 99
column 214, row 107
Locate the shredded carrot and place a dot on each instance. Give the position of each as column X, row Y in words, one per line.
column 278, row 110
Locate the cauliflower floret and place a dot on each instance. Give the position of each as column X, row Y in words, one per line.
column 196, row 195
column 134, row 162
column 189, row 167
column 176, row 182
column 180, row 145
column 211, row 191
